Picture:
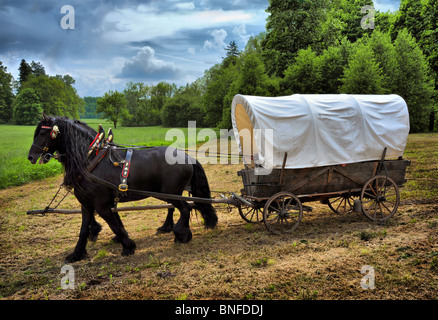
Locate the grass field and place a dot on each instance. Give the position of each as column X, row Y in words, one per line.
column 322, row 259
column 16, row 141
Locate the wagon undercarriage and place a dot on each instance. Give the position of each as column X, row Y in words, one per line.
column 370, row 187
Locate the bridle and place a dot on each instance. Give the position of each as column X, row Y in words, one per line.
column 44, row 150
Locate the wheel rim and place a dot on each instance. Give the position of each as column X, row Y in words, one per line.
column 380, row 198
column 282, row 213
column 342, row 204
column 251, row 214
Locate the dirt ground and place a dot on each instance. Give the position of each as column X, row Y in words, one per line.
column 322, row 259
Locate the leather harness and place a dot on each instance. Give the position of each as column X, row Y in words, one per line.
column 123, row 186
column 103, row 147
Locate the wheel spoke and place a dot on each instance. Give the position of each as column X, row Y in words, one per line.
column 372, row 189
column 370, row 195
column 251, row 214
column 384, row 205
column 335, row 200
column 340, row 203
column 273, row 220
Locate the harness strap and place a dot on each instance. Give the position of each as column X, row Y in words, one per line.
column 101, row 153
column 125, row 171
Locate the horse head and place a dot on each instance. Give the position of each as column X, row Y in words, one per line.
column 45, row 141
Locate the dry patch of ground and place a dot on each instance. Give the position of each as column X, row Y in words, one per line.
column 322, row 259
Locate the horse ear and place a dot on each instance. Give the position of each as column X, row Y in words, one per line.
column 46, row 118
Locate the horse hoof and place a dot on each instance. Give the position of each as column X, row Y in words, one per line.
column 75, row 256
column 183, row 237
column 128, row 252
column 164, row 229
column 128, row 247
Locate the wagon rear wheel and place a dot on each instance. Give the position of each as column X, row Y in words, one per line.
column 380, row 198
column 282, row 213
column 251, row 214
column 342, row 204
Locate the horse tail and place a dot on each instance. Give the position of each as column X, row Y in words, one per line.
column 200, row 188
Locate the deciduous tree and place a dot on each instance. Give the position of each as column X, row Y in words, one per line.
column 113, row 106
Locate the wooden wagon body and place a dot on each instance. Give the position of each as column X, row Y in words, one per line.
column 311, row 184
column 370, row 187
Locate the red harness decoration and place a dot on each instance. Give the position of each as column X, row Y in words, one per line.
column 54, row 133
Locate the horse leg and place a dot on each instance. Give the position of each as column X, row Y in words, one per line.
column 117, row 216
column 168, row 224
column 116, row 226
column 95, row 228
column 182, row 230
column 80, row 249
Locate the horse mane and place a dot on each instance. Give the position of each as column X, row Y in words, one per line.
column 75, row 138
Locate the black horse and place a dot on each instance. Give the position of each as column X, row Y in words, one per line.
column 149, row 171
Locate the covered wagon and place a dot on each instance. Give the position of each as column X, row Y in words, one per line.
column 343, row 150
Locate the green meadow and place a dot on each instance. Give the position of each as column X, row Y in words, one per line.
column 16, row 141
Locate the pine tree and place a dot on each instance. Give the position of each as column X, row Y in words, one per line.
column 362, row 75
column 232, row 49
column 412, row 80
column 304, row 75
column 384, row 54
column 333, row 62
column 24, row 71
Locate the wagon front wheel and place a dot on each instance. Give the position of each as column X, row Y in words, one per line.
column 251, row 214
column 380, row 198
column 342, row 204
column 282, row 213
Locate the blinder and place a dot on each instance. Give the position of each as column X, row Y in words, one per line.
column 44, row 149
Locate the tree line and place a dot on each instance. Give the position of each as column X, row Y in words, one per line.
column 309, row 47
column 22, row 101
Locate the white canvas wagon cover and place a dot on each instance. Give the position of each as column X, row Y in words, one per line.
column 320, row 130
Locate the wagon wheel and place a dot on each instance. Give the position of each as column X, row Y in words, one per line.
column 282, row 213
column 342, row 204
column 380, row 198
column 251, row 214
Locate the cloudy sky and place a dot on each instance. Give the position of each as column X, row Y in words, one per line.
column 114, row 42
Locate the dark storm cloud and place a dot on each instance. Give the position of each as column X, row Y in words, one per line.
column 107, row 49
